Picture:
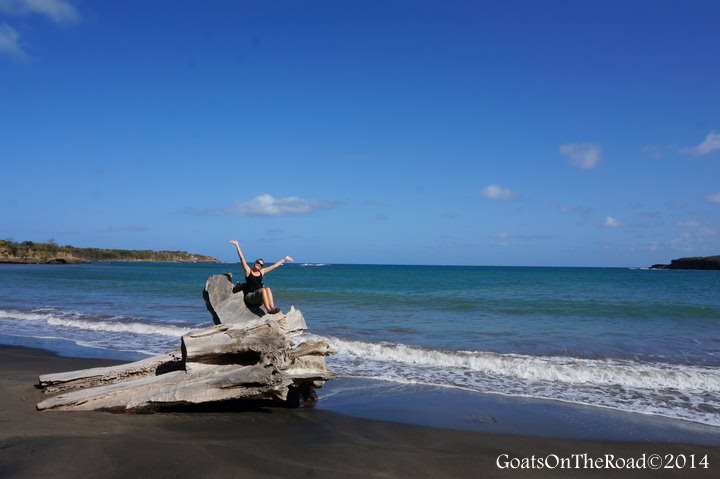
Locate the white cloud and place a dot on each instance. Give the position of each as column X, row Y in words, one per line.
column 611, row 222
column 708, row 145
column 497, row 192
column 267, row 205
column 713, row 198
column 582, row 155
column 59, row 11
column 9, row 42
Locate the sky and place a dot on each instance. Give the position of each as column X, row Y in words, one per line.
column 511, row 133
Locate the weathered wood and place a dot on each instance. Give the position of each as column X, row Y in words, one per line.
column 88, row 378
column 247, row 354
column 292, row 321
column 226, row 306
column 309, row 368
column 179, row 387
column 262, row 344
column 320, row 348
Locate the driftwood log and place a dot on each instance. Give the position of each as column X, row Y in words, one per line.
column 247, row 355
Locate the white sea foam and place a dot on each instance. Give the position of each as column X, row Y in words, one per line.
column 541, row 368
column 71, row 320
column 672, row 390
column 119, row 327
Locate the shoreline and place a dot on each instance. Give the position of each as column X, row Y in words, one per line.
column 275, row 442
column 457, row 408
column 452, row 408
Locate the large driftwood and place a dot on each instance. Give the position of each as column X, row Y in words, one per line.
column 225, row 306
column 178, row 387
column 222, row 345
column 248, row 354
column 88, row 378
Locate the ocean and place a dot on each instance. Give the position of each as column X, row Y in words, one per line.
column 632, row 340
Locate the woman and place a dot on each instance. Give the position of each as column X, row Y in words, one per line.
column 255, row 291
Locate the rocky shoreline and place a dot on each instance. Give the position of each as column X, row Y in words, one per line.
column 83, row 261
column 703, row 263
column 29, row 252
column 42, row 261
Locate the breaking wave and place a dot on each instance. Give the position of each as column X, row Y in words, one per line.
column 73, row 320
column 541, row 368
column 678, row 391
column 107, row 333
column 687, row 392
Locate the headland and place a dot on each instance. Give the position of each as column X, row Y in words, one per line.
column 699, row 262
column 29, row 252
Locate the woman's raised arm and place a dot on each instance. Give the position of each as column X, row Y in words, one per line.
column 245, row 266
column 272, row 267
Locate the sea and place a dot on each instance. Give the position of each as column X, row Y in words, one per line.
column 633, row 340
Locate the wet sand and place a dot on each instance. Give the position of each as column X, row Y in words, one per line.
column 270, row 442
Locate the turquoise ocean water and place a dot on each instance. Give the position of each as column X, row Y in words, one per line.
column 628, row 339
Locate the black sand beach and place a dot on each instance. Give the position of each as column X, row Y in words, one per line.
column 271, row 442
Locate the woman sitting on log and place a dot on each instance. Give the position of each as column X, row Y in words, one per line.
column 255, row 291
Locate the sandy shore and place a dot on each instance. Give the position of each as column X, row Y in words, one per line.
column 272, row 442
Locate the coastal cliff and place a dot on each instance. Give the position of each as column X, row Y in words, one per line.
column 29, row 252
column 706, row 262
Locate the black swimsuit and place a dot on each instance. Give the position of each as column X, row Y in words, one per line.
column 253, row 283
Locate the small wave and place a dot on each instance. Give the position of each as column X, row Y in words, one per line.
column 56, row 319
column 687, row 392
column 118, row 327
column 541, row 368
column 676, row 391
column 85, row 344
column 314, row 264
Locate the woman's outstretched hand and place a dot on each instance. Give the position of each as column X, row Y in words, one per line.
column 288, row 258
column 235, row 242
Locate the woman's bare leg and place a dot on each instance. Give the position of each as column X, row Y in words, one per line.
column 268, row 299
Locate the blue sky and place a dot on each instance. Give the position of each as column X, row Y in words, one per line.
column 480, row 133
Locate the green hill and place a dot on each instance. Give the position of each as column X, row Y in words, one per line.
column 30, row 252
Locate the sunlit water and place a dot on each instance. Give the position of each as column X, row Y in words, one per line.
column 634, row 340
